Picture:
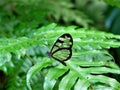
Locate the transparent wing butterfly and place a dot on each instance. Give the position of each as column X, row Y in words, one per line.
column 62, row 48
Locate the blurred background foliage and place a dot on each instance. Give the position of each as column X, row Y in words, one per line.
column 19, row 19
column 17, row 15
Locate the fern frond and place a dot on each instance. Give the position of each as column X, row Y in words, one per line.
column 89, row 45
column 85, row 43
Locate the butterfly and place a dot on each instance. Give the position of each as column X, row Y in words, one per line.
column 62, row 48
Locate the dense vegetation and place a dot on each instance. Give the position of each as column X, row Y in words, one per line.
column 29, row 28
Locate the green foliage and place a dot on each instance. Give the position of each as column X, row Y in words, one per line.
column 17, row 18
column 113, row 2
column 24, row 46
column 88, row 51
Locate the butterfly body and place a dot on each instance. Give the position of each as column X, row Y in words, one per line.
column 62, row 48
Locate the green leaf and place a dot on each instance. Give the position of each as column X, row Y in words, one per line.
column 52, row 75
column 115, row 85
column 113, row 2
column 56, row 72
column 49, row 84
column 81, row 85
column 37, row 67
column 68, row 81
column 100, row 70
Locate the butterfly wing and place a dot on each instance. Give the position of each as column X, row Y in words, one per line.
column 62, row 48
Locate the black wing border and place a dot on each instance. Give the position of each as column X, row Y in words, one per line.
column 69, row 48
